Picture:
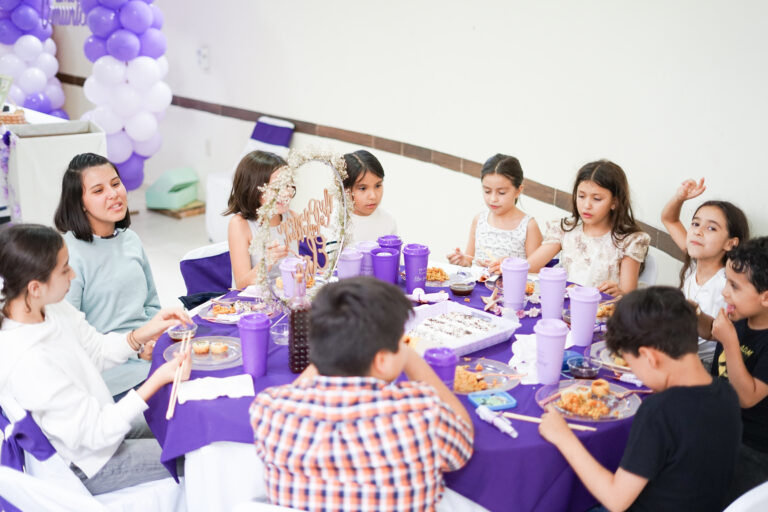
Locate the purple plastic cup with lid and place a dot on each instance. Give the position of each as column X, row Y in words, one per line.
column 550, row 348
column 385, row 264
column 552, row 289
column 584, row 303
column 392, row 242
column 443, row 361
column 366, row 269
column 349, row 264
column 515, row 274
column 416, row 258
column 287, row 271
column 254, row 339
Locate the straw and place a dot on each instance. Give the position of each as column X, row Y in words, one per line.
column 177, row 377
column 534, row 419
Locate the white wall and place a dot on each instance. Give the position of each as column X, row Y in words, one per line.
column 669, row 90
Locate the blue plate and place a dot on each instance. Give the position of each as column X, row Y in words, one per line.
column 494, row 400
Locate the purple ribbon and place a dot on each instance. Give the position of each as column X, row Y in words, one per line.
column 272, row 134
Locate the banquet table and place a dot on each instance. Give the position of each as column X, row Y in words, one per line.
column 526, row 473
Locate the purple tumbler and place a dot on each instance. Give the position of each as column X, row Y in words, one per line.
column 365, row 248
column 416, row 257
column 584, row 303
column 515, row 274
column 349, row 264
column 550, row 348
column 392, row 242
column 443, row 361
column 287, row 270
column 385, row 264
column 552, row 288
column 254, row 338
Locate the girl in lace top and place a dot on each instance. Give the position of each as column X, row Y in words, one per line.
column 600, row 243
column 504, row 230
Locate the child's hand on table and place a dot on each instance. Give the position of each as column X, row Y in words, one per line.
column 611, row 288
column 167, row 371
column 553, row 427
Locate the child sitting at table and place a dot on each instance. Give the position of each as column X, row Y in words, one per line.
column 504, row 230
column 741, row 356
column 684, row 438
column 601, row 243
column 52, row 360
column 344, row 435
column 365, row 183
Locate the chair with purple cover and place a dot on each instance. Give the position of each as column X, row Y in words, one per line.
column 207, row 269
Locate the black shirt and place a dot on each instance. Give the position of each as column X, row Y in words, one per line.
column 684, row 440
column 754, row 351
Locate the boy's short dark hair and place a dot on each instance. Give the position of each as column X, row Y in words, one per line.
column 658, row 317
column 351, row 321
column 751, row 258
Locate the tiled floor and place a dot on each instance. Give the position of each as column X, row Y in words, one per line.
column 166, row 240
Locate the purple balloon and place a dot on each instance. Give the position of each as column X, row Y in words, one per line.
column 136, row 16
column 152, row 43
column 95, row 48
column 9, row 32
column 25, row 17
column 123, row 45
column 112, row 4
column 157, row 17
column 9, row 5
column 103, row 21
column 36, row 4
column 38, row 102
column 132, row 171
column 59, row 113
column 87, row 5
column 43, row 31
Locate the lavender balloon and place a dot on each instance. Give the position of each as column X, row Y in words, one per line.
column 95, row 48
column 102, row 21
column 136, row 16
column 9, row 5
column 132, row 172
column 38, row 102
column 25, row 17
column 9, row 32
column 153, row 43
column 57, row 112
column 87, row 5
column 123, row 45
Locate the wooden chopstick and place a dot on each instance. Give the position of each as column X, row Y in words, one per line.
column 177, row 378
column 534, row 419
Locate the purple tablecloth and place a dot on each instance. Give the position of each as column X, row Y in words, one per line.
column 526, row 473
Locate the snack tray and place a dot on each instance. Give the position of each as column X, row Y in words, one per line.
column 502, row 329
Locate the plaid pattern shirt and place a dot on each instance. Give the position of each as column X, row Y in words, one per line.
column 357, row 443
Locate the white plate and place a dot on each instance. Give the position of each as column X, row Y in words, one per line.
column 233, row 356
column 599, row 352
column 206, row 313
column 618, row 408
column 504, row 376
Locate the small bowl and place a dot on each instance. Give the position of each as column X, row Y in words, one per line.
column 583, row 368
column 462, row 288
column 569, row 354
column 179, row 332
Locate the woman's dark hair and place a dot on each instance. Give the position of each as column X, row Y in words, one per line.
column 253, row 172
column 735, row 222
column 70, row 214
column 358, row 164
column 504, row 165
column 751, row 258
column 657, row 317
column 351, row 321
column 28, row 252
column 610, row 176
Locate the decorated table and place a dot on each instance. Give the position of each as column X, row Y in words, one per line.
column 525, row 473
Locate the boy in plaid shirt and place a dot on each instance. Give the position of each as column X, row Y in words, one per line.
column 344, row 435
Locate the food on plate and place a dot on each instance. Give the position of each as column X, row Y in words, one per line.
column 440, row 329
column 618, row 360
column 600, row 388
column 582, row 403
column 236, row 307
column 201, row 347
column 223, row 309
column 466, row 381
column 530, row 287
column 219, row 347
column 605, row 310
column 279, row 282
column 436, row 274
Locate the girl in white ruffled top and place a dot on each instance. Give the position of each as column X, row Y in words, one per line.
column 504, row 230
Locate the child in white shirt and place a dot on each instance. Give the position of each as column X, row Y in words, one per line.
column 365, row 182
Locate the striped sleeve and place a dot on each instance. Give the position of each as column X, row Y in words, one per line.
column 454, row 438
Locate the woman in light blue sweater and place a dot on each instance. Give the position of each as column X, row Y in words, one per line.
column 113, row 285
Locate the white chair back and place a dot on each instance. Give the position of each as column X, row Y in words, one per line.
column 650, row 272
column 755, row 500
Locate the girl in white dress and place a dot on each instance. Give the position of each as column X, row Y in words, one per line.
column 716, row 228
column 365, row 184
column 601, row 245
column 504, row 230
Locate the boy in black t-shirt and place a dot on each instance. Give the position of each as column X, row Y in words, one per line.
column 684, row 439
column 742, row 356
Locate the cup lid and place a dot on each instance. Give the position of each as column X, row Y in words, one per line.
column 289, row 264
column 514, row 264
column 553, row 274
column 388, row 240
column 440, row 355
column 551, row 327
column 366, row 246
column 585, row 293
column 254, row 321
column 350, row 254
column 415, row 249
column 385, row 252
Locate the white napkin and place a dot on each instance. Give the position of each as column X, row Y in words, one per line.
column 524, row 356
column 419, row 295
column 252, row 292
column 209, row 388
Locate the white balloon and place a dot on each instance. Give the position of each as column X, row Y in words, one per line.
column 119, row 147
column 158, row 97
column 107, row 119
column 148, row 147
column 28, row 47
column 11, row 65
column 160, row 115
column 55, row 81
column 87, row 116
column 5, row 49
column 55, row 93
column 162, row 63
column 32, row 81
column 48, row 64
column 125, row 101
column 49, row 46
column 16, row 95
column 141, row 127
column 143, row 72
column 109, row 71
column 96, row 92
